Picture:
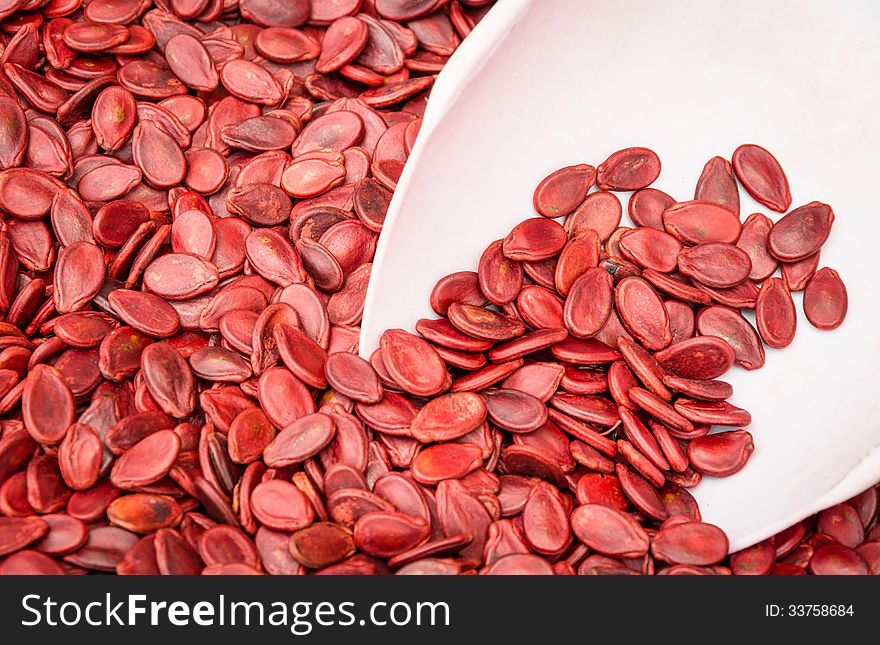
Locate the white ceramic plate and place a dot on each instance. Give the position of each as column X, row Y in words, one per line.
column 545, row 83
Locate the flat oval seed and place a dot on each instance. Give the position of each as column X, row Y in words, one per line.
column 515, row 411
column 706, row 389
column 321, row 544
column 562, row 191
column 500, row 278
column 842, row 523
column 180, row 276
column 600, row 212
column 797, row 274
column 17, row 532
column 484, row 324
column 147, row 461
column 651, row 249
column 646, row 207
column 717, row 184
column 775, row 314
column 386, row 534
column 302, row 439
column 721, row 454
column 642, row 313
column 628, row 169
column 301, row 355
column 825, row 299
column 144, row 512
column 699, row 222
column 413, row 363
column 837, row 560
column 695, row 543
column 282, row 506
column 534, row 240
column 145, row 312
column 158, row 155
column 753, row 240
column 609, row 531
column 579, row 254
column 47, row 405
column 445, row 461
column 191, row 63
column 545, row 520
column 738, row 333
column 169, row 379
column 801, row 232
column 588, row 303
column 715, row 264
column 449, row 417
column 645, row 367
column 249, row 434
column 713, row 412
column 756, row 560
column 79, row 275
column 762, row 177
column 703, row 357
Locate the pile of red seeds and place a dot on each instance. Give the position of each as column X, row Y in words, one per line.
column 191, row 193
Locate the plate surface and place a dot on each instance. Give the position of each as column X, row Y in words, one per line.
column 545, row 83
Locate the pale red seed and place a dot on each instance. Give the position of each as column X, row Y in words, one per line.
column 484, row 324
column 515, row 411
column 145, row 312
